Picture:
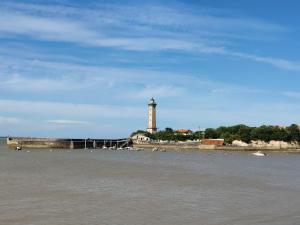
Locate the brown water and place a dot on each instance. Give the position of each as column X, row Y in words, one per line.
column 41, row 187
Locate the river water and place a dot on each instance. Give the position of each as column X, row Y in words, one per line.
column 60, row 187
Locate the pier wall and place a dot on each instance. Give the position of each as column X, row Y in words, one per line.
column 41, row 143
column 38, row 143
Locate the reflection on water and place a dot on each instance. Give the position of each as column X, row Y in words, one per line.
column 110, row 187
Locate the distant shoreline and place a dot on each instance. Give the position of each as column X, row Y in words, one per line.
column 198, row 147
column 49, row 143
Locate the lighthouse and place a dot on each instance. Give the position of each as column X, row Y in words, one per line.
column 152, row 116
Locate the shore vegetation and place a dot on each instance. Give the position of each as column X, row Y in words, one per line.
column 230, row 133
column 247, row 134
column 168, row 134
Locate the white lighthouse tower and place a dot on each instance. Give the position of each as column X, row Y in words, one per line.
column 152, row 116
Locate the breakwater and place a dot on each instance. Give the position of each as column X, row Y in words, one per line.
column 28, row 142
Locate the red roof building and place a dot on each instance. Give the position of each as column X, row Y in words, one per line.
column 212, row 141
column 183, row 131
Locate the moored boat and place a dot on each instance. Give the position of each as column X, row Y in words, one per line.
column 259, row 153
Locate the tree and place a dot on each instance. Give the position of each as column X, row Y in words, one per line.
column 263, row 133
column 211, row 133
column 198, row 135
column 279, row 134
column 222, row 130
column 227, row 137
column 244, row 132
column 169, row 130
column 293, row 133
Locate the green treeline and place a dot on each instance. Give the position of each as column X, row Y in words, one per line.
column 170, row 135
column 230, row 133
column 263, row 133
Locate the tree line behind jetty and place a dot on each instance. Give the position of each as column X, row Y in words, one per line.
column 240, row 132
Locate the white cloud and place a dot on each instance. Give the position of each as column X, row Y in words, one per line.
column 277, row 62
column 67, row 122
column 45, row 28
column 140, row 28
column 60, row 109
column 293, row 94
column 156, row 91
column 9, row 120
column 149, row 15
column 19, row 83
column 116, row 82
column 73, row 31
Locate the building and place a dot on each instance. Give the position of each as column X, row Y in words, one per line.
column 152, row 116
column 183, row 131
column 139, row 137
column 212, row 141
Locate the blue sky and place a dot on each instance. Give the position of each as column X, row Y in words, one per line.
column 88, row 68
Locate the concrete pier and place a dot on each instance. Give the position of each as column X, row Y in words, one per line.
column 28, row 142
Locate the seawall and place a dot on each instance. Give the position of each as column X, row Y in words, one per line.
column 46, row 143
column 38, row 143
column 198, row 147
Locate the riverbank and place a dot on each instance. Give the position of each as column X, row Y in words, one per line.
column 50, row 143
column 198, row 147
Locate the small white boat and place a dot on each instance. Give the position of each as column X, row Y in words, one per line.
column 259, row 153
column 18, row 148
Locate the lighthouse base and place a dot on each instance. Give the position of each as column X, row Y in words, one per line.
column 152, row 130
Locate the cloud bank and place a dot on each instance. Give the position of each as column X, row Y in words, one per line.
column 176, row 27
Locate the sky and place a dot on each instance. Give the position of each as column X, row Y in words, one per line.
column 87, row 69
